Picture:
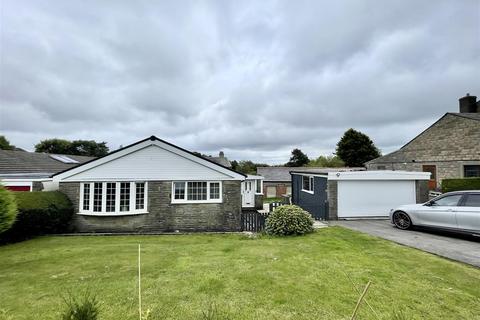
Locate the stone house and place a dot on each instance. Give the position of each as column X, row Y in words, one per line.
column 155, row 186
column 449, row 148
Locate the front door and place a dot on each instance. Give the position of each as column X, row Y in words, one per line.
column 432, row 183
column 248, row 193
column 441, row 212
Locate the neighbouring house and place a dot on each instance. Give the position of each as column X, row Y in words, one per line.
column 357, row 194
column 155, row 186
column 449, row 148
column 221, row 159
column 30, row 171
column 278, row 182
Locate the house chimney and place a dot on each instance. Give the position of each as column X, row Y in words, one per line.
column 468, row 104
column 221, row 154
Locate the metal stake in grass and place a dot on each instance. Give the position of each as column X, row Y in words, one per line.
column 360, row 300
column 139, row 287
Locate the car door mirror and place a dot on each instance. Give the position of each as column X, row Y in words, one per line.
column 430, row 203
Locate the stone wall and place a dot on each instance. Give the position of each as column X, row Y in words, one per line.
column 451, row 143
column 332, row 194
column 37, row 186
column 163, row 216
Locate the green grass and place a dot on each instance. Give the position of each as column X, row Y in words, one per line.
column 270, row 200
column 233, row 277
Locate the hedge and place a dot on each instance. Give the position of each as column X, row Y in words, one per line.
column 39, row 213
column 449, row 185
column 8, row 209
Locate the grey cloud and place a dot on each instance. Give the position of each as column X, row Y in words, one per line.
column 255, row 79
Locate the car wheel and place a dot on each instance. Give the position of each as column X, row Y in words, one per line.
column 402, row 220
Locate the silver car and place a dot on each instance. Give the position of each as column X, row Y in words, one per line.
column 456, row 211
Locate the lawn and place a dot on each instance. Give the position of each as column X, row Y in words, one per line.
column 228, row 276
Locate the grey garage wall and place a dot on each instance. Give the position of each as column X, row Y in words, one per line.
column 315, row 203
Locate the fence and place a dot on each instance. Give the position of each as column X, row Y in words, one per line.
column 253, row 221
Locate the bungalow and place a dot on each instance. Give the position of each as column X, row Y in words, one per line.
column 155, row 186
column 30, row 171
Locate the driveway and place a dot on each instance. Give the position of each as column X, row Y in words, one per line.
column 456, row 247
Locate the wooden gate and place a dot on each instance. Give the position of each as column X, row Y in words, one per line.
column 253, row 221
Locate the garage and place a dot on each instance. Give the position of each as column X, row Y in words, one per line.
column 371, row 198
column 357, row 194
column 371, row 194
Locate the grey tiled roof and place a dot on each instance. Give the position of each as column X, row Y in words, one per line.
column 474, row 116
column 32, row 164
column 282, row 174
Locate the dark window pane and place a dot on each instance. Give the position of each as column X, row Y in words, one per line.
column 179, row 192
column 140, row 196
column 111, row 192
column 473, row 200
column 214, row 190
column 86, row 196
column 449, row 201
column 197, row 191
column 97, row 196
column 471, row 171
column 124, row 196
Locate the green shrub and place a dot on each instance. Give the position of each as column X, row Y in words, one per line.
column 39, row 213
column 449, row 185
column 8, row 209
column 289, row 220
column 86, row 308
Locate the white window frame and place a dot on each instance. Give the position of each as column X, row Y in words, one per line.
column 259, row 182
column 184, row 200
column 311, row 182
column 117, row 212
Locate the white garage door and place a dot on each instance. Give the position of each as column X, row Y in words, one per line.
column 366, row 198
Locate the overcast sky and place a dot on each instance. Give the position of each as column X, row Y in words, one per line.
column 252, row 78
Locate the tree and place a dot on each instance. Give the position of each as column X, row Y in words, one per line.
column 356, row 148
column 8, row 209
column 247, row 166
column 77, row 147
column 298, row 159
column 327, row 162
column 88, row 148
column 5, row 144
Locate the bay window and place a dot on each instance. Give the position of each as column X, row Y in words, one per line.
column 196, row 191
column 113, row 198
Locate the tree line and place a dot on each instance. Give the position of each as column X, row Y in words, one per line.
column 352, row 150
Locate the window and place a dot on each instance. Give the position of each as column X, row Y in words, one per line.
column 140, row 196
column 381, row 167
column 124, row 196
column 215, row 190
column 258, row 187
column 111, row 198
column 473, row 200
column 471, row 171
column 97, row 196
column 448, row 201
column 179, row 190
column 307, row 183
column 86, row 197
column 196, row 191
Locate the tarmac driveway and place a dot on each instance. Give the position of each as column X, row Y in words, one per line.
column 456, row 247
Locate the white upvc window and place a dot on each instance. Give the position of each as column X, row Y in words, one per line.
column 196, row 192
column 259, row 186
column 307, row 184
column 113, row 198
